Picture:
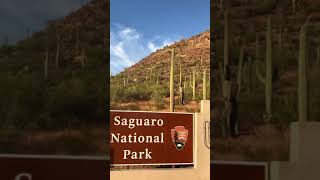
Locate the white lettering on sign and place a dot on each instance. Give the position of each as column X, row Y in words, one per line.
column 132, row 123
column 23, row 175
column 134, row 138
column 137, row 155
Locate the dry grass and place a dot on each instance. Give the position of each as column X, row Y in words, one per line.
column 90, row 141
column 267, row 143
column 189, row 106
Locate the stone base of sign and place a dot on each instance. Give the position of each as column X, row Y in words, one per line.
column 304, row 154
column 201, row 169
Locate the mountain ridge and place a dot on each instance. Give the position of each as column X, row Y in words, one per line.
column 196, row 48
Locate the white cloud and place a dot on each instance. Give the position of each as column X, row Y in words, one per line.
column 127, row 46
column 118, row 51
column 129, row 34
column 153, row 47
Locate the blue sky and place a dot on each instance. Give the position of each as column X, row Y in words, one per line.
column 139, row 27
column 16, row 16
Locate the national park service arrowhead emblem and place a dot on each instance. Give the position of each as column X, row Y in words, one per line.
column 179, row 136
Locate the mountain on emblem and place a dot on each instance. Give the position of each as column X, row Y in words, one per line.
column 179, row 136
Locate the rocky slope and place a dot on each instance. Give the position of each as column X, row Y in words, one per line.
column 247, row 28
column 195, row 52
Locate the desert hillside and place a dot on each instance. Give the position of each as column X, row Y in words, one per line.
column 145, row 85
column 53, row 86
column 262, row 34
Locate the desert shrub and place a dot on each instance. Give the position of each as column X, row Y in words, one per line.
column 158, row 96
column 116, row 93
column 285, row 109
column 135, row 92
column 129, row 93
column 72, row 103
column 21, row 100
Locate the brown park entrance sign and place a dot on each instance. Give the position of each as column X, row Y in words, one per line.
column 34, row 167
column 153, row 138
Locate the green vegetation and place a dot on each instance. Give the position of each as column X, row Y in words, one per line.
column 170, row 79
column 54, row 82
column 282, row 38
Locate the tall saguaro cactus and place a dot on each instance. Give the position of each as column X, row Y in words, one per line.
column 302, row 78
column 204, row 86
column 185, row 83
column 257, row 47
column 172, row 82
column 280, row 37
column 58, row 51
column 294, row 6
column 157, row 80
column 239, row 75
column 269, row 70
column 267, row 80
column 249, row 75
column 180, row 76
column 46, row 62
column 226, row 40
column 226, row 68
column 194, row 85
column 318, row 55
column 226, row 79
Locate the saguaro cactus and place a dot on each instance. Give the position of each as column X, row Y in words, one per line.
column 269, row 70
column 172, row 82
column 267, row 80
column 318, row 56
column 46, row 62
column 226, row 39
column 152, row 76
column 180, row 76
column 190, row 80
column 157, row 81
column 294, row 6
column 249, row 75
column 257, row 47
column 77, row 37
column 58, row 51
column 204, row 86
column 226, row 78
column 226, row 68
column 280, row 37
column 194, row 85
column 302, row 78
column 239, row 76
